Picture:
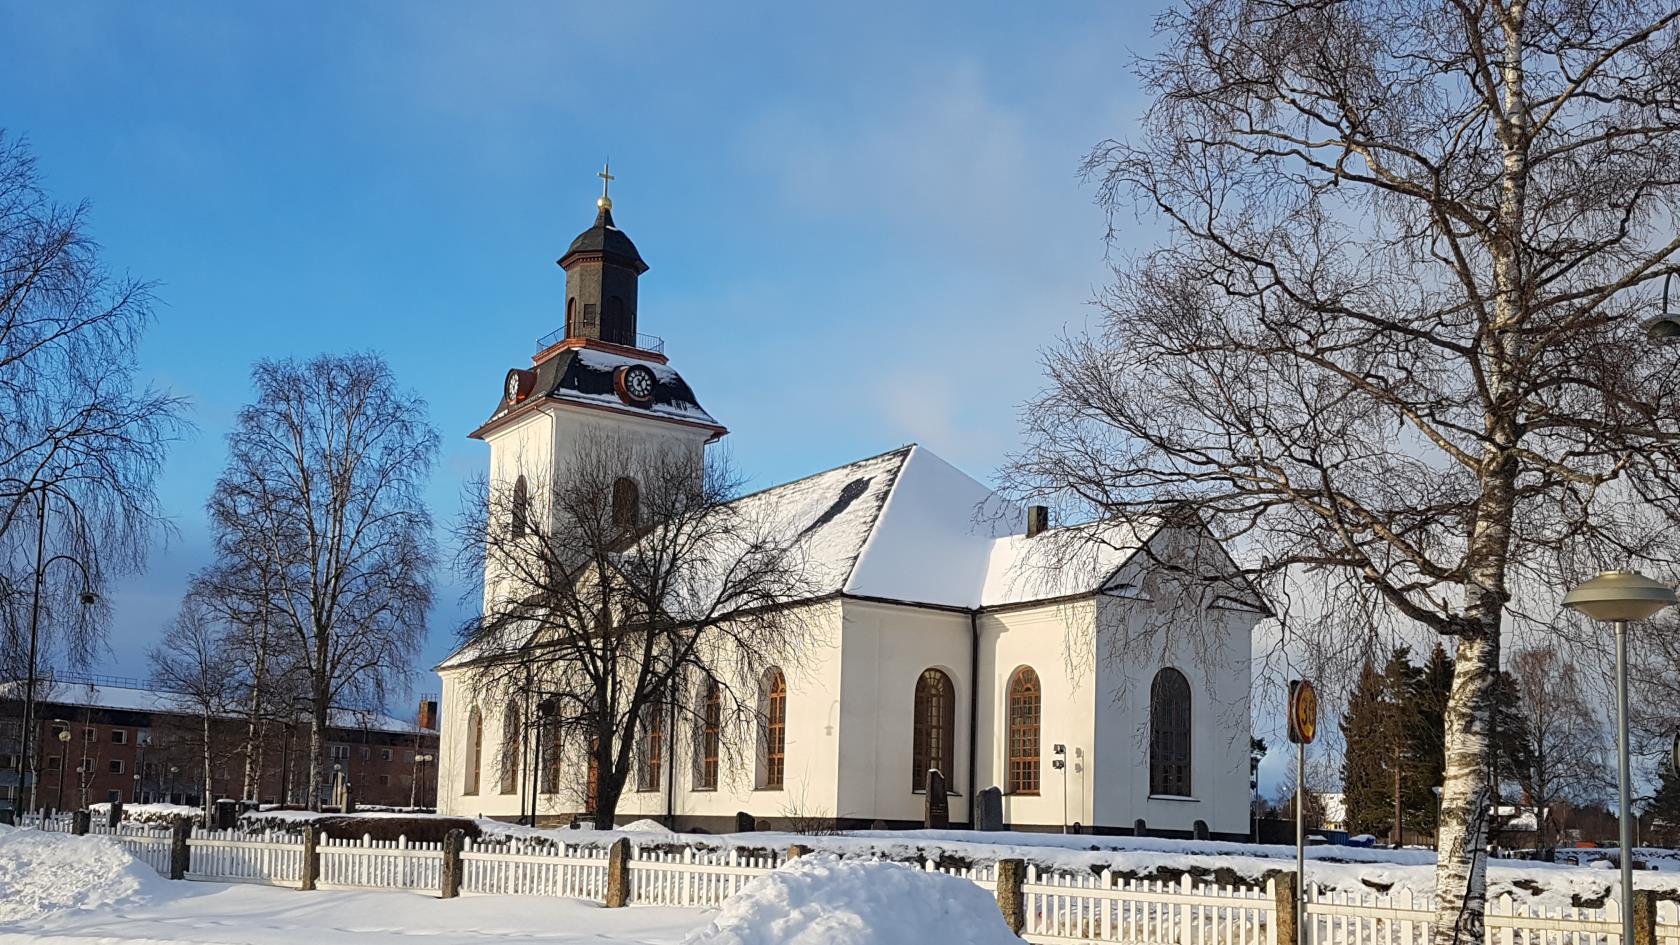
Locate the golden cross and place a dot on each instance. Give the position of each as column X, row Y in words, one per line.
column 606, row 178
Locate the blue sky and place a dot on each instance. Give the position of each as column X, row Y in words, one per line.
column 862, row 222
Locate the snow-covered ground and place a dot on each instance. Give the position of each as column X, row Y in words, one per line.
column 218, row 914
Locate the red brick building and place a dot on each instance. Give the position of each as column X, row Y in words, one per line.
column 104, row 738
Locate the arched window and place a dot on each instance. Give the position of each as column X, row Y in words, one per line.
column 626, row 502
column 1169, row 734
column 475, row 751
column 650, row 748
column 592, row 786
column 553, row 749
column 935, row 728
column 1024, row 698
column 571, row 318
column 773, row 745
column 710, row 728
column 508, row 764
column 521, row 511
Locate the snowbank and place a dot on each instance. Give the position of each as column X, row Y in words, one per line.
column 646, row 826
column 46, row 873
column 147, row 813
column 820, row 898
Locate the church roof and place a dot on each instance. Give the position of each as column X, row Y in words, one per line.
column 585, row 375
column 606, row 238
column 907, row 526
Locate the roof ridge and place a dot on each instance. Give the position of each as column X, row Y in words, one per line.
column 822, row 472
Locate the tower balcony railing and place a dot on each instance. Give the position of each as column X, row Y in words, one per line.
column 652, row 343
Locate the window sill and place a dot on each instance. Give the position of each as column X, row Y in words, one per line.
column 1175, row 797
column 774, row 790
column 948, row 792
column 702, row 790
column 1022, row 794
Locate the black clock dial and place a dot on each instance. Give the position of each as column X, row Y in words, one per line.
column 638, row 382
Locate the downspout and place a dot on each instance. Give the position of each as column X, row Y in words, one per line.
column 973, row 712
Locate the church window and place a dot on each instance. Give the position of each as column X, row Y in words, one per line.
column 650, row 750
column 521, row 511
column 571, row 318
column 626, row 502
column 1169, row 734
column 935, row 727
column 507, row 766
column 1025, row 698
column 592, row 786
column 554, row 753
column 475, row 750
column 773, row 744
column 711, row 727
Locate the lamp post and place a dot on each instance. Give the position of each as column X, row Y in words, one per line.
column 1617, row 597
column 63, row 748
column 26, row 767
column 419, row 773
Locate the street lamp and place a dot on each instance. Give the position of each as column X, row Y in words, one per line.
column 63, row 747
column 419, row 773
column 1617, row 597
column 1666, row 328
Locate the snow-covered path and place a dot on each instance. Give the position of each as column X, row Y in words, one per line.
column 218, row 914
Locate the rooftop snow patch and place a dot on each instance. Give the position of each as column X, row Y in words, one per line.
column 46, row 873
column 820, row 899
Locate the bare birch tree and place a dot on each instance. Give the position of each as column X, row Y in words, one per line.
column 196, row 666
column 81, row 443
column 323, row 483
column 1565, row 757
column 625, row 595
column 1394, row 345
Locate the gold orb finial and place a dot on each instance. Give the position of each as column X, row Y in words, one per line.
column 605, row 203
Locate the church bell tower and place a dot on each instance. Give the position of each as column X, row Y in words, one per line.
column 602, row 267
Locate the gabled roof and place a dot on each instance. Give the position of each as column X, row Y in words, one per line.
column 907, row 526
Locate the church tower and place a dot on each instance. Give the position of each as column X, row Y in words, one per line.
column 597, row 375
column 602, row 267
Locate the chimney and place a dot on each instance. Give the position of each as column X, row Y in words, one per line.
column 428, row 714
column 1038, row 519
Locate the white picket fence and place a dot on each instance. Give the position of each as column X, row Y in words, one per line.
column 1102, row 907
column 148, row 843
column 54, row 823
column 381, row 864
column 1060, row 908
column 533, row 867
column 229, row 856
column 694, row 877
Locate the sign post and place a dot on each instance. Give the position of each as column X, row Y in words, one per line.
column 1303, row 725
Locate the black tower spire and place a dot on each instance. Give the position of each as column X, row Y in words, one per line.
column 602, row 267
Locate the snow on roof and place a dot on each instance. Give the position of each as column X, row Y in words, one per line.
column 908, row 526
column 605, row 363
column 160, row 702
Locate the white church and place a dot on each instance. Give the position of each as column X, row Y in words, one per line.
column 944, row 639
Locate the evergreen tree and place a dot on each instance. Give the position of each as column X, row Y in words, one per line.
column 1665, row 807
column 1428, row 698
column 1365, row 776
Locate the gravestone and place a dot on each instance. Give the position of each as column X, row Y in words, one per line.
column 744, row 822
column 936, row 807
column 115, row 816
column 1199, row 830
column 988, row 810
column 1139, row 828
column 227, row 814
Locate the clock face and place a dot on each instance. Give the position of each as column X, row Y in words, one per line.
column 638, row 383
column 514, row 382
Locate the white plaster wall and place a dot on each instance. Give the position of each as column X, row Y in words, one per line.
column 1219, row 685
column 886, row 649
column 812, row 750
column 1055, row 640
